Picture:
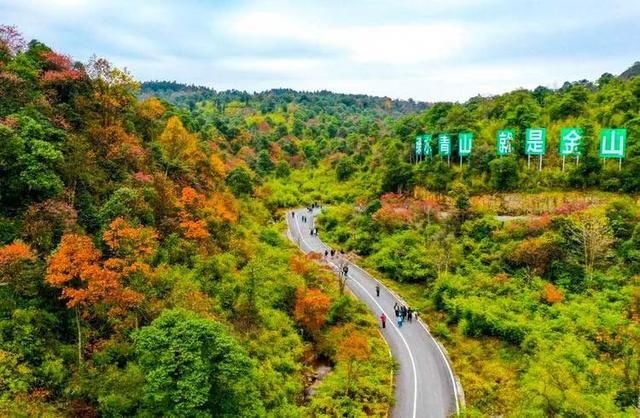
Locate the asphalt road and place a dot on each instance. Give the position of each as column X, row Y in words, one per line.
column 425, row 383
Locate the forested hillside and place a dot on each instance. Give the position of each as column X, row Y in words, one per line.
column 141, row 273
column 144, row 270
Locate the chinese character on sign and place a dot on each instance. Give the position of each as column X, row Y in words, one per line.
column 465, row 143
column 419, row 146
column 427, row 150
column 444, row 145
column 505, row 137
column 536, row 141
column 612, row 143
column 570, row 141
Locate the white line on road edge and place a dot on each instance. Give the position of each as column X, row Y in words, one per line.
column 413, row 363
column 390, row 356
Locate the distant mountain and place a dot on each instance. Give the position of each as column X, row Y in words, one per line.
column 632, row 71
column 189, row 95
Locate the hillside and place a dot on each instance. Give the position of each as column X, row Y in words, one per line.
column 270, row 100
column 142, row 274
column 632, row 71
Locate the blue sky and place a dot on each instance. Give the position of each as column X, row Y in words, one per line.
column 427, row 50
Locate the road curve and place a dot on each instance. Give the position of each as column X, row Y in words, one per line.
column 425, row 383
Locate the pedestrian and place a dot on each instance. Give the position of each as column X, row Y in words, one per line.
column 395, row 306
column 326, row 253
column 378, row 290
column 397, row 311
column 399, row 321
column 383, row 320
column 293, row 214
column 403, row 312
column 409, row 314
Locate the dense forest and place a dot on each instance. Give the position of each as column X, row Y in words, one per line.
column 141, row 273
column 144, row 268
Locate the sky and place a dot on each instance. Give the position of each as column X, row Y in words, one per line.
column 429, row 50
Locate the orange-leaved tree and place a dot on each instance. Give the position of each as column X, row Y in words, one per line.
column 311, row 309
column 551, row 294
column 352, row 348
column 191, row 203
column 132, row 246
column 13, row 258
column 77, row 268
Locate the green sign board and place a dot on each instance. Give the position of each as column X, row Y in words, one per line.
column 571, row 142
column 504, row 139
column 465, row 143
column 535, row 141
column 444, row 145
column 427, row 148
column 419, row 146
column 612, row 143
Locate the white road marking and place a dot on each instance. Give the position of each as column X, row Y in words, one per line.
column 446, row 361
column 393, row 325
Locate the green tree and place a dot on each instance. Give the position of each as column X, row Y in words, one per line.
column 264, row 164
column 239, row 181
column 504, row 173
column 193, row 368
column 344, row 169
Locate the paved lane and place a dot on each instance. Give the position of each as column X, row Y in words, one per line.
column 425, row 383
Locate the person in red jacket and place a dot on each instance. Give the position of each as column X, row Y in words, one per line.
column 383, row 320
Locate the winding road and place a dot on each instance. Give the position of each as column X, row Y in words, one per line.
column 425, row 382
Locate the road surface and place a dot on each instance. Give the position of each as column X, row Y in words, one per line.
column 425, row 383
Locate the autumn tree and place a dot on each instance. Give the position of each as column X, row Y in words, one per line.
column 113, row 98
column 551, row 294
column 352, row 349
column 13, row 260
column 535, row 254
column 311, row 309
column 179, row 146
column 191, row 202
column 132, row 247
column 149, row 113
column 77, row 268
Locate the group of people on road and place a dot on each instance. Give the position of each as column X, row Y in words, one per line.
column 332, row 253
column 313, row 231
column 402, row 312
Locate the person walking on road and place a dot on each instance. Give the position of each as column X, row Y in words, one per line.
column 409, row 314
column 399, row 321
column 378, row 290
column 396, row 310
column 326, row 253
column 383, row 320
